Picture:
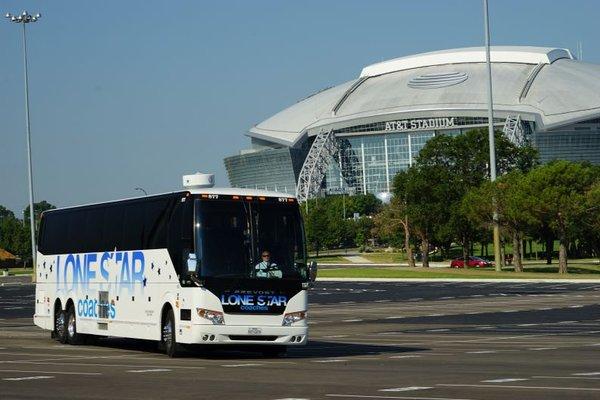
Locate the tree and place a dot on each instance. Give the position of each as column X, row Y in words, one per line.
column 424, row 189
column 6, row 213
column 38, row 209
column 393, row 219
column 556, row 194
column 510, row 202
column 458, row 164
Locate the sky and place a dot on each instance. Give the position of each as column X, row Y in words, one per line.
column 127, row 94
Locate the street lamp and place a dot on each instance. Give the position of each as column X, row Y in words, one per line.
column 25, row 18
column 141, row 190
column 488, row 62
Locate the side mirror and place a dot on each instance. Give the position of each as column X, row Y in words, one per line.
column 312, row 272
column 192, row 263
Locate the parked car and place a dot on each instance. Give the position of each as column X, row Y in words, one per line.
column 474, row 262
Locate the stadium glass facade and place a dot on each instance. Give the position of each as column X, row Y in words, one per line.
column 368, row 161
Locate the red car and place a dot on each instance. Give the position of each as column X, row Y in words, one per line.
column 475, row 262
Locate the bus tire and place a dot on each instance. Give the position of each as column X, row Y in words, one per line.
column 60, row 326
column 72, row 336
column 274, row 351
column 168, row 338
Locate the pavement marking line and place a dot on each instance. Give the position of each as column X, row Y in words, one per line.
column 407, row 356
column 360, row 396
column 542, row 348
column 104, row 365
column 241, row 365
column 586, row 374
column 28, row 378
column 565, row 377
column 334, row 360
column 54, row 372
column 352, row 320
column 149, row 370
column 519, row 387
column 405, row 389
column 503, row 380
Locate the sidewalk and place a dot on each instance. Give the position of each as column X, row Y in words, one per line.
column 15, row 280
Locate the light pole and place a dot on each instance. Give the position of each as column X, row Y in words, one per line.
column 141, row 190
column 488, row 62
column 24, row 19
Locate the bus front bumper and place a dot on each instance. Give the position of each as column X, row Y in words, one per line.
column 243, row 334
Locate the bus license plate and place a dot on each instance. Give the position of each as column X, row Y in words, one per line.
column 254, row 331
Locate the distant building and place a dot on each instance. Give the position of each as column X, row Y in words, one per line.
column 356, row 136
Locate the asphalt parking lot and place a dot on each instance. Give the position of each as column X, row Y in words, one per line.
column 379, row 340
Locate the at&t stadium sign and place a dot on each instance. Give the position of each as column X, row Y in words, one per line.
column 419, row 124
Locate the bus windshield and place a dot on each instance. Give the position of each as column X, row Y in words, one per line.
column 254, row 240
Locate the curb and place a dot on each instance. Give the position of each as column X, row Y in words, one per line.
column 480, row 280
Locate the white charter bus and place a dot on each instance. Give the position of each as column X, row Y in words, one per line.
column 203, row 265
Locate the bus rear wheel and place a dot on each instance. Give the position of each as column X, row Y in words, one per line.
column 60, row 326
column 72, row 336
column 168, row 339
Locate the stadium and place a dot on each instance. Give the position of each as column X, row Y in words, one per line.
column 354, row 137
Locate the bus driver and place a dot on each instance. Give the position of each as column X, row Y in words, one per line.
column 267, row 269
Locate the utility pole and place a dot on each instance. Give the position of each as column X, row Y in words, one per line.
column 497, row 257
column 25, row 18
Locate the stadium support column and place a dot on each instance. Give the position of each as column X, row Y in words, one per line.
column 488, row 63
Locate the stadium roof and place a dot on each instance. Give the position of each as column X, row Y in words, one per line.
column 543, row 84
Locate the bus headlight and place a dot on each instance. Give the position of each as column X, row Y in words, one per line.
column 289, row 319
column 216, row 317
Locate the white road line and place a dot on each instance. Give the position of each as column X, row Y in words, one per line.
column 482, row 352
column 586, row 374
column 241, row 365
column 292, row 398
column 54, row 372
column 352, row 320
column 542, row 348
column 361, row 396
column 519, row 387
column 103, row 365
column 335, row 336
column 502, row 380
column 333, row 360
column 406, row 389
column 138, row 371
column 407, row 356
column 438, row 330
column 28, row 378
column 565, row 377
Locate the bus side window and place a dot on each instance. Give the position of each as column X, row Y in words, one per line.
column 112, row 230
column 180, row 235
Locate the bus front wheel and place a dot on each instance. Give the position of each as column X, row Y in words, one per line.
column 168, row 340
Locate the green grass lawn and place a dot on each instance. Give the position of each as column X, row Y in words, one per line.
column 18, row 271
column 583, row 270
